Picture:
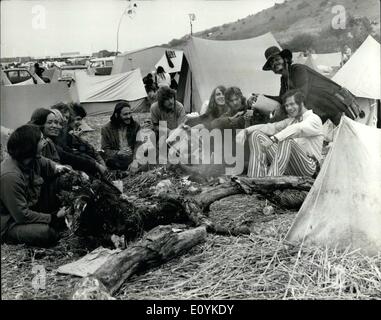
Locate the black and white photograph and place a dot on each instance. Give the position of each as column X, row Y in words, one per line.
column 190, row 155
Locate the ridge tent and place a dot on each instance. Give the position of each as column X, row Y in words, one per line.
column 343, row 207
column 361, row 75
column 209, row 63
column 144, row 59
column 175, row 56
column 19, row 102
column 99, row 94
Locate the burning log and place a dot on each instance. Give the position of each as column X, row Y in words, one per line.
column 158, row 246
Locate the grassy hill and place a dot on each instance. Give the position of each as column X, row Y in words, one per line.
column 293, row 18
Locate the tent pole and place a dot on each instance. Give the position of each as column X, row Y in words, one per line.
column 191, row 92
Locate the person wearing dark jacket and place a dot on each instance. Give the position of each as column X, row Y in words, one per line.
column 118, row 138
column 50, row 122
column 23, row 218
column 74, row 142
column 326, row 98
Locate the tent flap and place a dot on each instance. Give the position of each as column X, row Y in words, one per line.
column 229, row 63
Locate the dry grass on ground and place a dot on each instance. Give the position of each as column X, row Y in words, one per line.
column 257, row 266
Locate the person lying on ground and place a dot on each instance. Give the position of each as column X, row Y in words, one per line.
column 326, row 98
column 118, row 138
column 24, row 219
column 292, row 146
column 50, row 123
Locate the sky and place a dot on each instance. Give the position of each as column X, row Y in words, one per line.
column 51, row 27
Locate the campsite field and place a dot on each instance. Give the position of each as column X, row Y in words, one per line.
column 255, row 266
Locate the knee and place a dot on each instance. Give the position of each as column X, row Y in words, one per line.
column 47, row 237
column 257, row 135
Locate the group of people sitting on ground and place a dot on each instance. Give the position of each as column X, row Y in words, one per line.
column 289, row 141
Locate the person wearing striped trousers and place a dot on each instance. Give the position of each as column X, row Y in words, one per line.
column 291, row 146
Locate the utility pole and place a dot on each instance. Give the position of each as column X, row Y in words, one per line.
column 192, row 17
column 131, row 12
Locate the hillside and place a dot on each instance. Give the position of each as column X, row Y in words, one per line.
column 292, row 18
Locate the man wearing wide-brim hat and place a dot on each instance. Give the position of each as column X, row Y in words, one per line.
column 325, row 97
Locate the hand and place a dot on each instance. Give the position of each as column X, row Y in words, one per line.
column 62, row 169
column 248, row 115
column 186, row 127
column 267, row 143
column 238, row 114
column 63, row 212
column 134, row 165
column 100, row 168
column 241, row 136
column 252, row 100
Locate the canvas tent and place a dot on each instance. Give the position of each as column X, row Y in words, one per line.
column 209, row 63
column 343, row 207
column 361, row 75
column 19, row 102
column 175, row 57
column 144, row 59
column 98, row 94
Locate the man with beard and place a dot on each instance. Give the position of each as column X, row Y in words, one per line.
column 167, row 109
column 325, row 97
column 118, row 138
column 292, row 146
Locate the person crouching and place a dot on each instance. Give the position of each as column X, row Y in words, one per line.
column 22, row 177
column 118, row 138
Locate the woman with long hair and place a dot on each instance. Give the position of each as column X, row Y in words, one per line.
column 216, row 107
column 162, row 78
column 50, row 123
column 24, row 218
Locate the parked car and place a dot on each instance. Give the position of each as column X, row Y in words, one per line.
column 18, row 75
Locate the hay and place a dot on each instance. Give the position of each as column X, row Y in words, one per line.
column 258, row 267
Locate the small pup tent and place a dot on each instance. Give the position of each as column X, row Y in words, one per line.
column 343, row 207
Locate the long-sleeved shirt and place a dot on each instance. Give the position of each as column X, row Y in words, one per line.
column 323, row 95
column 173, row 118
column 20, row 191
column 307, row 131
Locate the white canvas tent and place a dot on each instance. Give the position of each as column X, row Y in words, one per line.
column 176, row 57
column 19, row 102
column 343, row 208
column 99, row 94
column 361, row 75
column 230, row 63
column 144, row 59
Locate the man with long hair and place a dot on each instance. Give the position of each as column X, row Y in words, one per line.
column 118, row 138
column 167, row 109
column 325, row 97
